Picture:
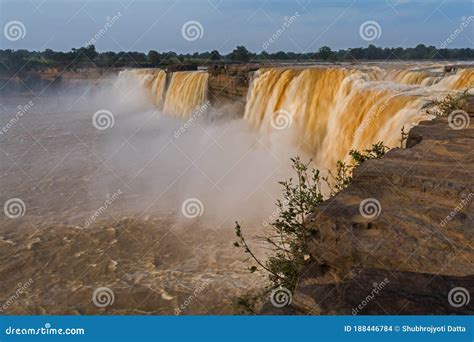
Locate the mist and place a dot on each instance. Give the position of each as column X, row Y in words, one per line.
column 211, row 169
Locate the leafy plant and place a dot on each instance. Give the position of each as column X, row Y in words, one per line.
column 342, row 177
column 448, row 104
column 290, row 232
column 377, row 150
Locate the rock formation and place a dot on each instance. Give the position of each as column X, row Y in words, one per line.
column 417, row 241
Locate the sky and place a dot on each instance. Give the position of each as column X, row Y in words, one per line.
column 187, row 26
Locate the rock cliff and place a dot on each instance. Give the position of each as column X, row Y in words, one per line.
column 229, row 82
column 416, row 239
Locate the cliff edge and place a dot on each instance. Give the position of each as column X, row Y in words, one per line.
column 400, row 238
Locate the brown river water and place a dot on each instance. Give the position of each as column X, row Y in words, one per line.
column 112, row 207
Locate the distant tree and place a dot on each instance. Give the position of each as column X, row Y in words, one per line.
column 170, row 55
column 325, row 52
column 215, row 56
column 84, row 54
column 373, row 52
column 108, row 58
column 240, row 54
column 90, row 52
column 296, row 56
column 280, row 55
column 22, row 61
column 49, row 54
column 137, row 57
column 154, row 58
column 421, row 52
column 264, row 55
column 356, row 53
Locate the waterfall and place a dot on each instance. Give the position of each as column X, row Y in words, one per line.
column 186, row 92
column 464, row 79
column 153, row 80
column 330, row 111
column 325, row 111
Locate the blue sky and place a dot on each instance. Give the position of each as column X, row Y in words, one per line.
column 157, row 24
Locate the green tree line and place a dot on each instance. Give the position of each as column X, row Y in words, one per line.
column 13, row 61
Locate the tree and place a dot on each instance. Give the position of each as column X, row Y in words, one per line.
column 373, row 52
column 90, row 52
column 325, row 52
column 85, row 54
column 215, row 56
column 280, row 55
column 421, row 52
column 154, row 57
column 49, row 54
column 109, row 58
column 240, row 54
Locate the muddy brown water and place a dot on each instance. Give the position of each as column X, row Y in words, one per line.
column 52, row 259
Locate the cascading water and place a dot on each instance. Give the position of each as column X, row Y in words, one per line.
column 153, row 80
column 325, row 111
column 329, row 111
column 464, row 79
column 186, row 92
column 185, row 181
column 410, row 77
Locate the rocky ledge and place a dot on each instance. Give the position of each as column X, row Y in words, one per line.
column 230, row 82
column 412, row 250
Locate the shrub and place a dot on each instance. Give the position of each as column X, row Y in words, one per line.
column 290, row 234
column 448, row 104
